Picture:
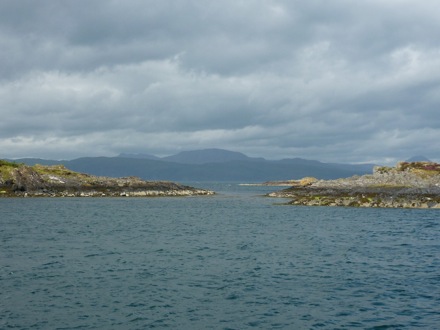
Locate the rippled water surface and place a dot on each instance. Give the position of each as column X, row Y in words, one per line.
column 231, row 261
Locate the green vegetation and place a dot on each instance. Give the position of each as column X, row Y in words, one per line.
column 59, row 171
column 424, row 166
column 6, row 169
column 5, row 163
column 414, row 167
column 388, row 186
column 426, row 173
column 7, row 176
column 56, row 174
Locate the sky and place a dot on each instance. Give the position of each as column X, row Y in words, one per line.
column 337, row 81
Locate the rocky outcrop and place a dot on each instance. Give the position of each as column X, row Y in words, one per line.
column 57, row 181
column 408, row 185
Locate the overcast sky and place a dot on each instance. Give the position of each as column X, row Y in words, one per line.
column 336, row 81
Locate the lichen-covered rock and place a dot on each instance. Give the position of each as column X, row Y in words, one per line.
column 307, row 181
column 21, row 180
column 408, row 185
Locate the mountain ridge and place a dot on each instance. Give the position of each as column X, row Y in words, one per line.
column 206, row 156
column 207, row 165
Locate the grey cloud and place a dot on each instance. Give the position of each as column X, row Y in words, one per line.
column 326, row 80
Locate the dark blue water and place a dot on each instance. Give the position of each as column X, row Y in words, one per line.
column 231, row 261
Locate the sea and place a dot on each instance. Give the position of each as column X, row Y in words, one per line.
column 235, row 260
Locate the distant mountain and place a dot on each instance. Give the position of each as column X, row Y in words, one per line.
column 138, row 156
column 206, row 156
column 233, row 167
column 243, row 171
column 418, row 159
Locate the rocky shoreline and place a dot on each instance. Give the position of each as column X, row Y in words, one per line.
column 18, row 180
column 408, row 185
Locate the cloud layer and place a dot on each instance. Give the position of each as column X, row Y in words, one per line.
column 336, row 81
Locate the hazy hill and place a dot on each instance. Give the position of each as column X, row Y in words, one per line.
column 206, row 156
column 208, row 165
column 248, row 171
column 138, row 156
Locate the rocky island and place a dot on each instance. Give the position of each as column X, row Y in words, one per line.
column 19, row 180
column 407, row 185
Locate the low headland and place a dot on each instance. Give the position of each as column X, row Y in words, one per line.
column 407, row 185
column 19, row 180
